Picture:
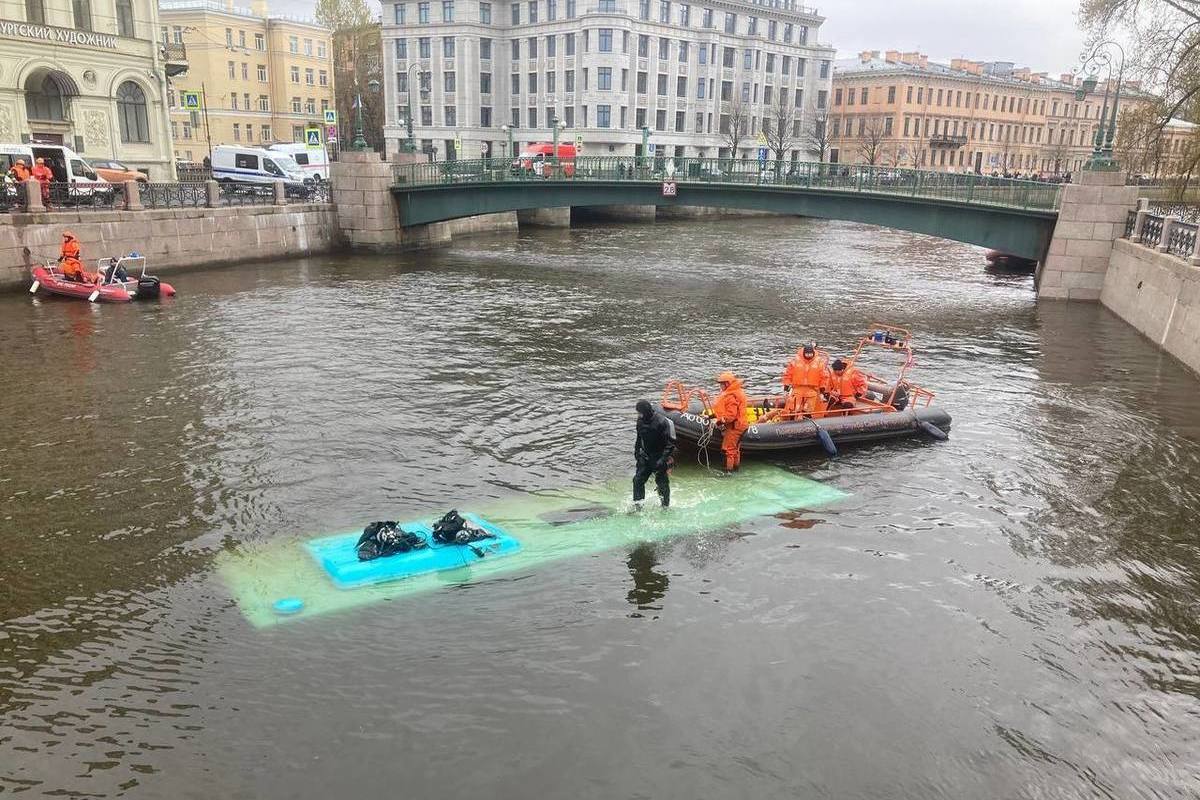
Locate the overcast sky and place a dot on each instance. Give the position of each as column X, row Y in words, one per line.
column 1040, row 34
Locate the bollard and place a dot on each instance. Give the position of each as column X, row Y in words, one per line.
column 133, row 196
column 213, row 192
column 280, row 194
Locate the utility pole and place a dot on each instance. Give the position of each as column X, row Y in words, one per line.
column 207, row 129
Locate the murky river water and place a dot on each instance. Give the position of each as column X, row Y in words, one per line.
column 1012, row 613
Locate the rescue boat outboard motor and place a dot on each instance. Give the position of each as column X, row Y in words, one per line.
column 148, row 287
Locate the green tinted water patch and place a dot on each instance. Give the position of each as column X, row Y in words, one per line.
column 551, row 526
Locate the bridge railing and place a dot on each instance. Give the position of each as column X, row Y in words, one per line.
column 965, row 188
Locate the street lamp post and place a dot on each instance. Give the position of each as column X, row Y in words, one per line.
column 508, row 131
column 557, row 126
column 360, row 140
column 1101, row 56
column 410, row 144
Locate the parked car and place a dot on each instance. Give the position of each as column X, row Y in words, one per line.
column 117, row 172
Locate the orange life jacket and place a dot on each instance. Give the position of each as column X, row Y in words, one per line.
column 20, row 173
column 848, row 385
column 806, row 373
column 730, row 406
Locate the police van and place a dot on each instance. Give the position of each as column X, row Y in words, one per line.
column 253, row 165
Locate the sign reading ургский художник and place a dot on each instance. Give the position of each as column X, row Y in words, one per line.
column 46, row 33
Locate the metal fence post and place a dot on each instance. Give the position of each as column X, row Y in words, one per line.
column 1164, row 243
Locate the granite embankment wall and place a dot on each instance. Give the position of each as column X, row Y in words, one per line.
column 1157, row 293
column 171, row 239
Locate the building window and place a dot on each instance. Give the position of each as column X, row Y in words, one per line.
column 485, row 16
column 550, row 82
column 245, row 71
column 35, row 11
column 639, row 118
column 680, row 124
column 708, row 18
column 604, row 78
column 423, row 47
column 551, row 46
column 605, row 44
column 533, row 11
column 685, row 15
column 662, row 85
column 293, row 44
column 310, row 106
column 485, row 83
column 264, row 104
column 660, row 120
column 532, row 48
column 664, row 49
column 262, row 73
column 131, row 113
column 683, row 52
column 423, row 13
column 125, row 18
column 664, row 10
column 532, row 82
column 82, row 10
column 552, row 10
column 608, row 6
column 485, row 116
column 448, row 47
column 747, row 58
column 533, row 117
column 296, row 110
column 824, row 71
column 569, row 41
column 237, row 132
column 447, row 10
column 603, row 116
column 516, row 84
column 399, row 12
column 730, row 23
column 681, row 86
column 752, row 26
column 308, row 77
column 266, row 133
column 450, row 114
column 485, row 49
column 44, row 101
column 516, row 13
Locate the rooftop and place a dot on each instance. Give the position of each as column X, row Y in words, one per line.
column 227, row 7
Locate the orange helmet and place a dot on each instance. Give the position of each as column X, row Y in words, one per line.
column 68, row 235
column 726, row 377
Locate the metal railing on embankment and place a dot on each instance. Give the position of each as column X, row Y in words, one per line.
column 1165, row 233
column 65, row 196
column 967, row 188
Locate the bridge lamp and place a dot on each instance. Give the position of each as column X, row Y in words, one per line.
column 508, row 131
column 1103, row 54
column 557, row 126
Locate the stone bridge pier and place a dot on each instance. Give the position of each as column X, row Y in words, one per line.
column 1091, row 216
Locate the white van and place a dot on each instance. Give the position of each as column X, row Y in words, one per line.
column 67, row 166
column 233, row 164
column 314, row 163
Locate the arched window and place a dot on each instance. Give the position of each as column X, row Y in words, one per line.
column 131, row 112
column 125, row 18
column 44, row 98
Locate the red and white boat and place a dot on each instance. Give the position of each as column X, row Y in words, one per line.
column 111, row 289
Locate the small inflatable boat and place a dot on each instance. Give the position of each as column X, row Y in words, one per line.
column 888, row 410
column 1008, row 262
column 110, row 289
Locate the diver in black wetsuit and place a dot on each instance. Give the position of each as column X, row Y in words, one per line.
column 653, row 449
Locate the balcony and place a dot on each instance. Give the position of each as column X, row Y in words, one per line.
column 174, row 55
column 947, row 140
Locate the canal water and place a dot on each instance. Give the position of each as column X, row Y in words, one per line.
column 1011, row 613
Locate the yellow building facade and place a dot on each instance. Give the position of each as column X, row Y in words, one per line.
column 263, row 78
column 900, row 109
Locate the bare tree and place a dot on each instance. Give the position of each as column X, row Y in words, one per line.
column 871, row 140
column 894, row 155
column 816, row 134
column 779, row 127
column 735, row 124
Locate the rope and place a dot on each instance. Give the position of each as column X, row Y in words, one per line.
column 702, row 442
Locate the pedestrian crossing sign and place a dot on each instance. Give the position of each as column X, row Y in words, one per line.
column 330, row 117
column 190, row 100
column 312, row 137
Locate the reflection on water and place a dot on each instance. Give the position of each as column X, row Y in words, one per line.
column 1008, row 614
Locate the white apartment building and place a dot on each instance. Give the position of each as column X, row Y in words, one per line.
column 605, row 69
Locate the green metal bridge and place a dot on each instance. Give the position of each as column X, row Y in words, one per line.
column 1013, row 216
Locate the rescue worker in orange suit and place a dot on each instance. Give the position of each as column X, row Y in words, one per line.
column 730, row 412
column 19, row 172
column 43, row 175
column 846, row 385
column 69, row 261
column 806, row 377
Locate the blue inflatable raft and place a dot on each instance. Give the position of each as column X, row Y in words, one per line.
column 339, row 558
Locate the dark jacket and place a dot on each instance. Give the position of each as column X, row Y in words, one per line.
column 655, row 438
